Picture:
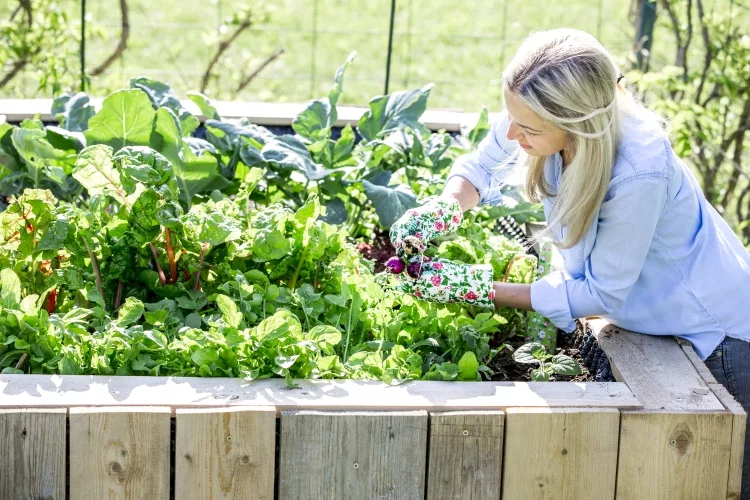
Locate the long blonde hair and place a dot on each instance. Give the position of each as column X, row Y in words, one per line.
column 570, row 80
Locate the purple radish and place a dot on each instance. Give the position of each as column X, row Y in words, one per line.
column 395, row 265
column 414, row 269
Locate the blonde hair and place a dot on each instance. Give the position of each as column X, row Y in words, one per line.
column 570, row 80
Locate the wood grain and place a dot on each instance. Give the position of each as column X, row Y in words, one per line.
column 353, row 455
column 32, row 454
column 739, row 430
column 560, row 454
column 119, row 453
column 466, row 455
column 224, row 454
column 656, row 369
column 668, row 455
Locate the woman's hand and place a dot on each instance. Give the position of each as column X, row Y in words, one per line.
column 447, row 282
column 411, row 233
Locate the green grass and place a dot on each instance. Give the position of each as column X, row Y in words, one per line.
column 460, row 46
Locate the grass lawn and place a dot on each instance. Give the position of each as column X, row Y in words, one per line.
column 460, row 46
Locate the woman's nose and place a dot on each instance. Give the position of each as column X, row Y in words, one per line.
column 513, row 131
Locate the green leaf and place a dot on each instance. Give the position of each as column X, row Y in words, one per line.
column 125, row 119
column 532, row 352
column 480, row 130
column 270, row 245
column 214, row 228
column 225, row 135
column 336, row 212
column 312, row 122
column 390, row 202
column 325, row 333
column 564, row 365
column 96, row 172
column 342, row 150
column 394, row 111
column 338, row 83
column 130, row 312
column 289, row 152
column 229, row 310
column 204, row 104
column 205, row 356
column 468, row 366
column 539, row 375
column 161, row 95
column 73, row 111
column 10, row 289
column 193, row 174
column 33, row 147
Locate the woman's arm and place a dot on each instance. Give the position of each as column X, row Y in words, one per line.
column 512, row 295
column 458, row 188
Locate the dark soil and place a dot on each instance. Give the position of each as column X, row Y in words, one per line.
column 379, row 251
column 506, row 369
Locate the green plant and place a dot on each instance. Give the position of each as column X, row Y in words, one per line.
column 535, row 353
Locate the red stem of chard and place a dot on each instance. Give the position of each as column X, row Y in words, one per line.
column 170, row 254
column 200, row 267
column 51, row 299
column 162, row 278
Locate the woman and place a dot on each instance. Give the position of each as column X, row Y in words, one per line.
column 641, row 246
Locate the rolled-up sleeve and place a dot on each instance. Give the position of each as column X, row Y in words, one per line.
column 488, row 167
column 625, row 231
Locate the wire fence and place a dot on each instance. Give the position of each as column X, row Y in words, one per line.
column 462, row 47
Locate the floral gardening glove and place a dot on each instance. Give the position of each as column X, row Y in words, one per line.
column 419, row 225
column 447, row 282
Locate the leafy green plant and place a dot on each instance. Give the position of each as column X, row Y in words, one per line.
column 535, row 353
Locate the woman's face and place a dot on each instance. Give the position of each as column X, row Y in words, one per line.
column 533, row 134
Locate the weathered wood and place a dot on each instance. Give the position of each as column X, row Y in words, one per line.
column 739, row 429
column 362, row 455
column 655, row 368
column 466, row 455
column 668, row 455
column 224, row 454
column 260, row 113
column 560, row 453
column 32, row 454
column 699, row 365
column 119, row 453
column 190, row 392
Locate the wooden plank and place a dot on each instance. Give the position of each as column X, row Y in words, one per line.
column 224, row 454
column 668, row 455
column 739, row 429
column 119, row 453
column 698, row 364
column 28, row 391
column 560, row 454
column 32, row 454
column 655, row 368
column 362, row 455
column 261, row 113
column 466, row 455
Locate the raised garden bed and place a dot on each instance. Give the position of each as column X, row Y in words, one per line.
column 665, row 430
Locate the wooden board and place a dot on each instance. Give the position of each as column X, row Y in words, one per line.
column 362, row 455
column 28, row 391
column 698, row 364
column 224, row 454
column 655, row 368
column 666, row 455
column 260, row 113
column 560, row 454
column 119, row 453
column 466, row 455
column 32, row 454
column 739, row 429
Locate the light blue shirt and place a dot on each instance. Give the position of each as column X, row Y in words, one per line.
column 657, row 259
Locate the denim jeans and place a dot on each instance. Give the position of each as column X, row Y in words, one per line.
column 730, row 366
